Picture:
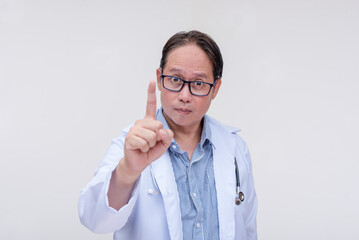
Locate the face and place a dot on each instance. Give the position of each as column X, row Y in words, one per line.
column 182, row 109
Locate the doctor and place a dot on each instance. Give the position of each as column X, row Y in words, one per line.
column 176, row 173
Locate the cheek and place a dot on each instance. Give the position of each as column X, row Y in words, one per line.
column 204, row 105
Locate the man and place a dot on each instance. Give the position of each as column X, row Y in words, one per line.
column 177, row 173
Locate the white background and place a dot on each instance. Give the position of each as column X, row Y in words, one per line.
column 74, row 73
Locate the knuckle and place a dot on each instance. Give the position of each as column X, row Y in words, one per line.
column 159, row 125
column 145, row 148
column 152, row 142
column 138, row 122
column 152, row 136
column 143, row 145
column 128, row 138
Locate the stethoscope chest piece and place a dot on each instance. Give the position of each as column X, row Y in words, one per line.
column 239, row 198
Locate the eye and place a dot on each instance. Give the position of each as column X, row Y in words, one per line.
column 175, row 80
column 198, row 84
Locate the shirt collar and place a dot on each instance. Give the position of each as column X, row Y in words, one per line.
column 206, row 131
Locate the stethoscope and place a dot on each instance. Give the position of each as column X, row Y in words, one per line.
column 239, row 194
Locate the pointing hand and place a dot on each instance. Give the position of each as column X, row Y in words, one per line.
column 147, row 140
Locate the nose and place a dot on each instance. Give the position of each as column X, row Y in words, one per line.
column 185, row 95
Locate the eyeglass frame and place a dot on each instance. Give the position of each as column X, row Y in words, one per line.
column 189, row 84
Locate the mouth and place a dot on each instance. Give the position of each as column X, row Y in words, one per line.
column 183, row 110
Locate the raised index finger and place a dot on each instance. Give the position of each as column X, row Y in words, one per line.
column 151, row 101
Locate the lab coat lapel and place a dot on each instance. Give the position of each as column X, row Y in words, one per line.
column 164, row 176
column 224, row 171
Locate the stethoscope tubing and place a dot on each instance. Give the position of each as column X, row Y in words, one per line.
column 239, row 195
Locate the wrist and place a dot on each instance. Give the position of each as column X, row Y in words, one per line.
column 124, row 175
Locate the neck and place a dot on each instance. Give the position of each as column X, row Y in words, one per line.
column 187, row 137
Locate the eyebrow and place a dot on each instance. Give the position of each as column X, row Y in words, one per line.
column 181, row 72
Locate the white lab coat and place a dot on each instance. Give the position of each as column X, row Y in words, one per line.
column 152, row 215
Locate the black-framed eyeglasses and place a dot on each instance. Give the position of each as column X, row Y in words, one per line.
column 197, row 88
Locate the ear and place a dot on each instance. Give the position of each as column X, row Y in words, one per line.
column 158, row 74
column 216, row 87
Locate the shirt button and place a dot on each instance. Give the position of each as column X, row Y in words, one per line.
column 194, row 195
column 174, row 146
column 198, row 225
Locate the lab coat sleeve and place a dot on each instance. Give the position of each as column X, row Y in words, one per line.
column 93, row 207
column 250, row 204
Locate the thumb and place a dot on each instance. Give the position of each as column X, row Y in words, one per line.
column 162, row 145
column 166, row 136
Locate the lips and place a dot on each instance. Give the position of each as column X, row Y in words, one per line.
column 183, row 110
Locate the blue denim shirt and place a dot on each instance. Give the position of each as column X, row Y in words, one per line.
column 196, row 186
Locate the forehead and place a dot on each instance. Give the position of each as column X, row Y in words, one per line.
column 189, row 59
